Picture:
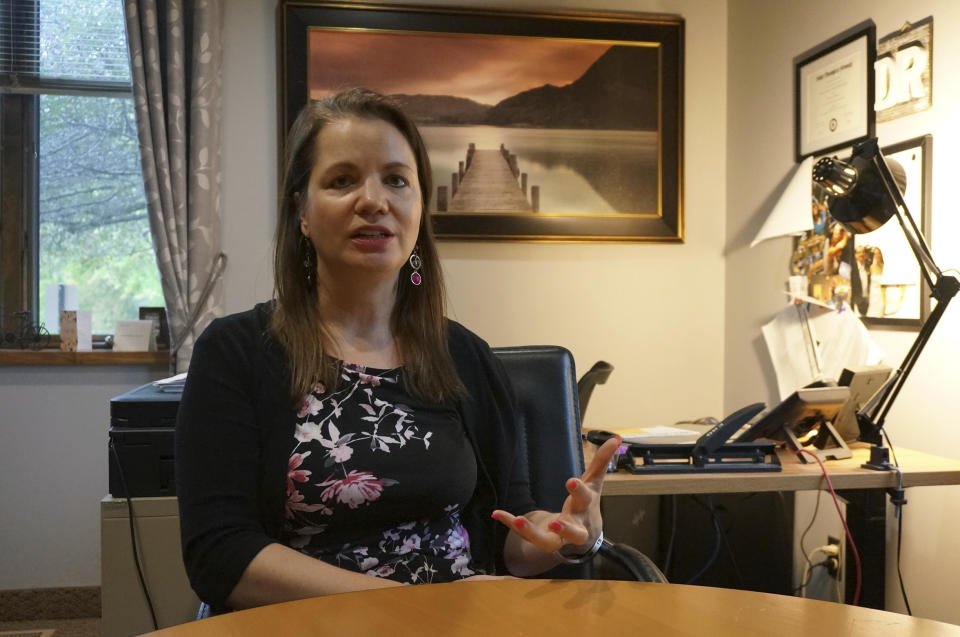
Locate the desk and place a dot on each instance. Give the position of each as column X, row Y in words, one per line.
column 863, row 489
column 561, row 607
column 125, row 611
column 919, row 470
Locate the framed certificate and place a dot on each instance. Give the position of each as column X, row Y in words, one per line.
column 834, row 88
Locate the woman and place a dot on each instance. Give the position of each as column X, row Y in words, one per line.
column 347, row 436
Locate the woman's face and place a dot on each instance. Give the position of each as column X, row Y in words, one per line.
column 364, row 202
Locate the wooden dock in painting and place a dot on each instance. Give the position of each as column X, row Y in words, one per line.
column 488, row 181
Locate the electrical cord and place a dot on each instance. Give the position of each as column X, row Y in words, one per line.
column 813, row 518
column 787, row 529
column 733, row 559
column 673, row 534
column 713, row 557
column 133, row 536
column 903, row 591
column 836, row 588
column 812, row 567
column 832, row 551
column 846, row 529
column 893, row 452
column 712, row 510
column 787, row 520
column 898, row 500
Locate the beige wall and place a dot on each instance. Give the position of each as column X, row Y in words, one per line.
column 764, row 37
column 654, row 311
column 681, row 323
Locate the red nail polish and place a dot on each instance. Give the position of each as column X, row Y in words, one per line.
column 555, row 526
column 520, row 523
column 571, row 484
column 494, row 516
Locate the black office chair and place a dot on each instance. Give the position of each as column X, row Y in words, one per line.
column 596, row 375
column 544, row 379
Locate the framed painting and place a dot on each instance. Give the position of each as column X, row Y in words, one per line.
column 895, row 294
column 539, row 126
column 875, row 275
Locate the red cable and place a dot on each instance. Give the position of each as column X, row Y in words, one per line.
column 836, row 503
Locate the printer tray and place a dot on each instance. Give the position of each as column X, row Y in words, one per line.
column 733, row 457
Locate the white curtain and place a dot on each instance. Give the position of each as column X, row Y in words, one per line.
column 175, row 57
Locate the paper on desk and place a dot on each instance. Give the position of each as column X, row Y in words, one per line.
column 172, row 385
column 818, row 348
column 178, row 379
column 641, row 435
column 792, row 214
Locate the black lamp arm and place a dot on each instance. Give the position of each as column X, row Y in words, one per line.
column 872, row 416
column 928, row 268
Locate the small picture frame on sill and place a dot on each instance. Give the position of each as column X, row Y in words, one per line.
column 160, row 329
column 133, row 336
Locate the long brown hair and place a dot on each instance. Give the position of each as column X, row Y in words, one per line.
column 417, row 320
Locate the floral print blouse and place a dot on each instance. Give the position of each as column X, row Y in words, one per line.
column 377, row 481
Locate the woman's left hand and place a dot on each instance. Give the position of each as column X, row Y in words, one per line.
column 579, row 522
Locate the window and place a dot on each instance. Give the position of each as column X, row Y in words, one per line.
column 73, row 208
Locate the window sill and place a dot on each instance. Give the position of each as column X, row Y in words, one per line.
column 96, row 357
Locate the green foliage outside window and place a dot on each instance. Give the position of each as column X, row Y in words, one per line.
column 93, row 225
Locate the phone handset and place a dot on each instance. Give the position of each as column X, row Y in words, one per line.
column 717, row 436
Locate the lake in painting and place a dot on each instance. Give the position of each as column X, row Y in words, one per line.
column 581, row 117
column 579, row 171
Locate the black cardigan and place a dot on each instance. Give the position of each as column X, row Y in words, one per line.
column 234, row 436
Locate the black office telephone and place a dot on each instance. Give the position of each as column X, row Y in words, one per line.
column 711, row 452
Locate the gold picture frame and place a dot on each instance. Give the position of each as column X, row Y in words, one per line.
column 561, row 126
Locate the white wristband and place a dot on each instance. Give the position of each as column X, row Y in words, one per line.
column 580, row 559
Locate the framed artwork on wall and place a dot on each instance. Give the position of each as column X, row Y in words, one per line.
column 904, row 71
column 895, row 294
column 875, row 275
column 834, row 89
column 539, row 126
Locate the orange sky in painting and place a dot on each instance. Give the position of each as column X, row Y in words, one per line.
column 484, row 69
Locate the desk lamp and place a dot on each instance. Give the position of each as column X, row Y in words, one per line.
column 863, row 195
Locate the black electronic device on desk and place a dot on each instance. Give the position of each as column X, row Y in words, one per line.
column 140, row 446
column 805, row 421
column 711, row 453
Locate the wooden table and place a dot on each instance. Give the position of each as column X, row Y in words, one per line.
column 559, row 608
column 863, row 489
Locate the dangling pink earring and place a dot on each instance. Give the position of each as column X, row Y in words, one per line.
column 415, row 263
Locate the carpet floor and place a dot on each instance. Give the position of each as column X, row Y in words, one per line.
column 86, row 627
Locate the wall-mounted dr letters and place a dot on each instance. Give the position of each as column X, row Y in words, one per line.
column 904, row 71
